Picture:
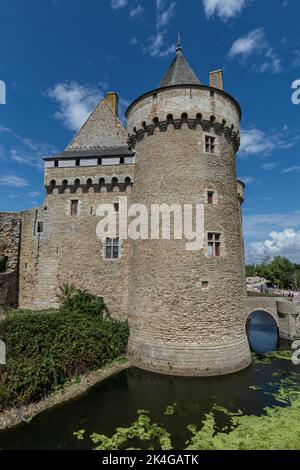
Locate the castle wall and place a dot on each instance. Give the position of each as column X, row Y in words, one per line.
column 68, row 250
column 178, row 326
column 10, row 228
column 191, row 100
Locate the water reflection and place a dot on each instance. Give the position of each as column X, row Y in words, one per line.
column 262, row 332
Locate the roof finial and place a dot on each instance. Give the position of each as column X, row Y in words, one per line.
column 179, row 45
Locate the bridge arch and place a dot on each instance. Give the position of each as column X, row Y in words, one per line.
column 263, row 331
column 269, row 312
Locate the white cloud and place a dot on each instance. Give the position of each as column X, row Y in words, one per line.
column 248, row 44
column 136, row 11
column 291, row 169
column 156, row 44
column 246, row 179
column 164, row 13
column 296, row 61
column 269, row 166
column 34, row 194
column 117, row 4
column 13, row 181
column 258, row 226
column 256, row 142
column 76, row 102
column 285, row 243
column 255, row 43
column 25, row 151
column 224, row 9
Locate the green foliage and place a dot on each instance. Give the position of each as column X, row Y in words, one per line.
column 142, row 430
column 3, row 264
column 278, row 428
column 75, row 300
column 171, row 409
column 47, row 349
column 280, row 271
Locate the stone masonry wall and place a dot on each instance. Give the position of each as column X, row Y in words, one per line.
column 68, row 250
column 177, row 325
column 10, row 227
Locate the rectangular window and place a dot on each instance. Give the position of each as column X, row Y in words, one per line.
column 40, row 227
column 205, row 285
column 74, row 208
column 214, row 244
column 112, row 248
column 210, row 197
column 122, row 160
column 77, row 162
column 99, row 161
column 210, row 144
column 56, row 163
column 116, row 206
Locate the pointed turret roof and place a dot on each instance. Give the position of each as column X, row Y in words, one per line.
column 180, row 72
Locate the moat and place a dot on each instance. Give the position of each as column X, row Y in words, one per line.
column 114, row 403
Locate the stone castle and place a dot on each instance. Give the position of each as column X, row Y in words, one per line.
column 186, row 309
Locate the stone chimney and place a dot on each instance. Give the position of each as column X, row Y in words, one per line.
column 113, row 102
column 216, row 79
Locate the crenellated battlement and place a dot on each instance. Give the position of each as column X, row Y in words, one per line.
column 193, row 123
column 86, row 185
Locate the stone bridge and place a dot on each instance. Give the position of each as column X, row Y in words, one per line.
column 285, row 313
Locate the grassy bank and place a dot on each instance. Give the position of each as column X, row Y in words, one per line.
column 47, row 349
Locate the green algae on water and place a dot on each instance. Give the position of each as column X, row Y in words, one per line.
column 171, row 409
column 278, row 428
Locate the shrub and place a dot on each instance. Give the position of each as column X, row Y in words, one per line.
column 44, row 350
column 75, row 300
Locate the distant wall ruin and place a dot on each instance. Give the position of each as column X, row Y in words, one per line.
column 10, row 230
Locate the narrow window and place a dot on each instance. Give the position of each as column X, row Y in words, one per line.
column 56, row 163
column 112, row 248
column 154, row 96
column 210, row 144
column 214, row 244
column 122, row 161
column 116, row 206
column 77, row 162
column 210, row 197
column 99, row 161
column 212, row 93
column 40, row 227
column 74, row 208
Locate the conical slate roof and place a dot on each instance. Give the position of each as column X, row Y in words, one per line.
column 180, row 72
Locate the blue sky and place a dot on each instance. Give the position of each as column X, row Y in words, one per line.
column 58, row 57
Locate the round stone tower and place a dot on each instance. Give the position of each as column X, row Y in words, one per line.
column 187, row 308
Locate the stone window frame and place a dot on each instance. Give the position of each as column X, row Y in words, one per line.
column 215, row 196
column 205, row 287
column 104, row 247
column 70, row 207
column 221, row 241
column 40, row 227
column 216, row 143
